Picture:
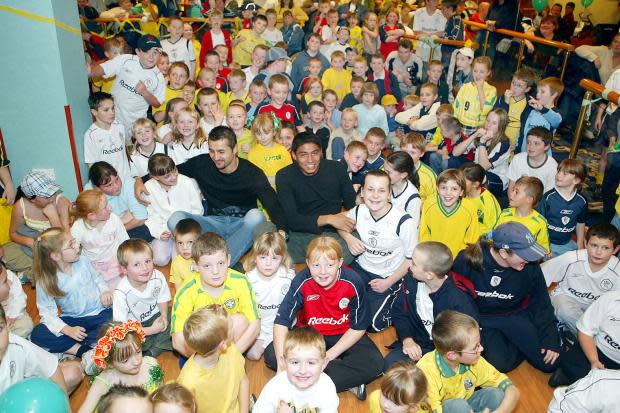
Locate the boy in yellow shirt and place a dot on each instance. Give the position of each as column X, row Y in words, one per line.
column 215, row 283
column 524, row 196
column 414, row 144
column 247, row 40
column 186, row 233
column 337, row 77
column 455, row 369
column 215, row 373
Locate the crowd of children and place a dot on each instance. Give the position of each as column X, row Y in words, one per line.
column 416, row 197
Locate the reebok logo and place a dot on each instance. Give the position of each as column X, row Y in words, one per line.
column 313, row 321
column 495, row 294
column 313, row 297
column 587, row 295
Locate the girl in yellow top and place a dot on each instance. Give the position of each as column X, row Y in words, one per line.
column 313, row 91
column 475, row 99
column 487, row 207
column 403, row 389
column 450, row 218
column 268, row 155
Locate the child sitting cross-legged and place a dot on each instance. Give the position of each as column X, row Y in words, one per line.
column 214, row 283
column 119, row 354
column 303, row 386
column 169, row 192
column 143, row 295
column 68, row 282
column 215, row 373
column 331, row 299
column 426, row 293
column 582, row 276
column 523, row 198
column 422, row 117
column 386, row 237
column 268, row 270
column 455, row 370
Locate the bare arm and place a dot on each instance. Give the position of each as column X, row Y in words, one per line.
column 510, row 400
column 179, row 344
column 588, row 345
column 279, row 335
column 244, row 395
column 248, row 337
column 59, row 379
column 17, row 220
column 97, row 389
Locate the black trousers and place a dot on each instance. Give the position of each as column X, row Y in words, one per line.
column 510, row 339
column 360, row 364
column 575, row 364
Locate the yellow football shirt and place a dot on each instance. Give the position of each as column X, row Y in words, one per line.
column 428, row 182
column 535, row 222
column 487, row 209
column 236, row 297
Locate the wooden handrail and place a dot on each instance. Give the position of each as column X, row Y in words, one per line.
column 138, row 19
column 599, row 89
column 518, row 35
column 449, row 42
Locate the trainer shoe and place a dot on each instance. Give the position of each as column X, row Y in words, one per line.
column 558, row 378
column 359, row 392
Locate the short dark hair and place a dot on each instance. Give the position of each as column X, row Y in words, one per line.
column 405, row 44
column 187, row 226
column 541, row 133
column 97, row 98
column 161, row 164
column 223, row 133
column 570, row 4
column 304, row 138
column 259, row 17
column 315, row 103
column 100, row 173
column 604, row 231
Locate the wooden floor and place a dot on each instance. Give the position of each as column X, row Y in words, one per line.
column 535, row 393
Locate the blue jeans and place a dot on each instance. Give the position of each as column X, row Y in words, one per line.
column 489, row 398
column 557, row 249
column 237, row 231
column 436, row 162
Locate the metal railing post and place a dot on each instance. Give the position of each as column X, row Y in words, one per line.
column 580, row 124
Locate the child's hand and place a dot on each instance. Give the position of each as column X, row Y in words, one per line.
column 140, row 88
column 507, row 95
column 245, row 148
column 412, row 349
column 597, row 365
column 356, row 246
column 535, row 103
column 165, row 236
column 162, row 322
column 380, row 285
column 77, row 333
column 10, row 322
column 106, row 299
column 283, row 407
column 550, row 356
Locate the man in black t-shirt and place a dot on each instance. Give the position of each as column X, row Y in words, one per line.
column 313, row 192
column 231, row 187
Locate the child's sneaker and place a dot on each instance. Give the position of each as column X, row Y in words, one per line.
column 88, row 363
column 359, row 392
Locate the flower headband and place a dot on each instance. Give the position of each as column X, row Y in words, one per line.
column 114, row 334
